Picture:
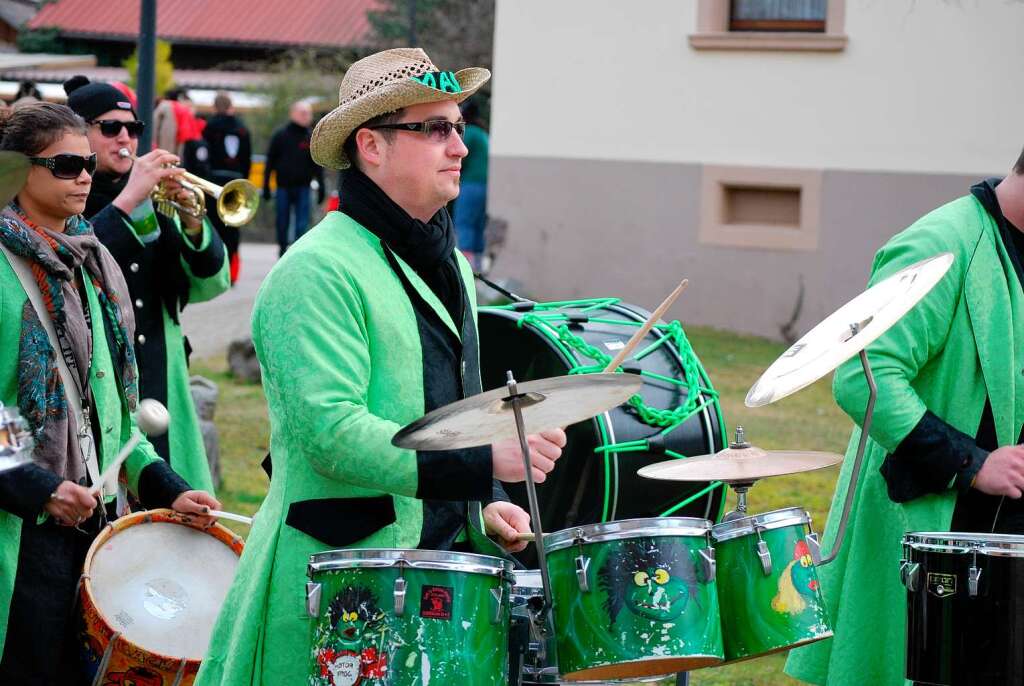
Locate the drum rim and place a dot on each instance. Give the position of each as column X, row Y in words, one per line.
column 387, row 558
column 625, row 529
column 765, row 521
column 957, row 542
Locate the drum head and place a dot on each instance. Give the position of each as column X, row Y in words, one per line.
column 162, row 585
column 587, row 486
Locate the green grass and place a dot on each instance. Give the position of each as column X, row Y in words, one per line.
column 808, row 420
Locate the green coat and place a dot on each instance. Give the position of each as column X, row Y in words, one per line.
column 949, row 353
column 159, row 343
column 340, row 352
column 110, row 408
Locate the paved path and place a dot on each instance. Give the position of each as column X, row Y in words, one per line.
column 210, row 326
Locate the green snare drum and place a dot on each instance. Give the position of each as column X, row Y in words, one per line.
column 405, row 617
column 634, row 598
column 767, row 584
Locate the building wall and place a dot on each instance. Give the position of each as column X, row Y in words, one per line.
column 604, row 118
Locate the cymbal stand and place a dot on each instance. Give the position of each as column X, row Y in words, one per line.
column 515, row 399
column 851, row 489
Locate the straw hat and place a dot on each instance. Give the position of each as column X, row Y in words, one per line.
column 382, row 83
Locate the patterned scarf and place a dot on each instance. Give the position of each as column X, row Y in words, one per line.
column 56, row 259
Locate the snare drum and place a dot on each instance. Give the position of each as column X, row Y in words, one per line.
column 634, row 598
column 408, row 617
column 152, row 587
column 965, row 615
column 767, row 584
column 540, row 662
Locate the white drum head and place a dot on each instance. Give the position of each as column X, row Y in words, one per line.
column 161, row 585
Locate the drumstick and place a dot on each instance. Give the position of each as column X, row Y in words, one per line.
column 528, row 536
column 111, row 470
column 221, row 514
column 648, row 325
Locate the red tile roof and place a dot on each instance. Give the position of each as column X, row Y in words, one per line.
column 272, row 23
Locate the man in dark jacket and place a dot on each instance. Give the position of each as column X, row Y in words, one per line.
column 288, row 157
column 168, row 262
column 230, row 157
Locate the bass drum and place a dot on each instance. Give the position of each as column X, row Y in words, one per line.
column 677, row 413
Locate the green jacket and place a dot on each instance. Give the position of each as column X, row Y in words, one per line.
column 338, row 344
column 952, row 351
column 110, row 407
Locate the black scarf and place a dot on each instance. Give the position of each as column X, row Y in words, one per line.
column 426, row 247
column 104, row 189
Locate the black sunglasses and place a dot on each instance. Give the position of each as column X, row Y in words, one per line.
column 111, row 128
column 67, row 166
column 438, row 129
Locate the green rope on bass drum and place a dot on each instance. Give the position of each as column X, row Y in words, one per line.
column 673, row 332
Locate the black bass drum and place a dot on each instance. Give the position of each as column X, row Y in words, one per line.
column 676, row 414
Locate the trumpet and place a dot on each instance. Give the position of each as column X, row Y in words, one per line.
column 237, row 201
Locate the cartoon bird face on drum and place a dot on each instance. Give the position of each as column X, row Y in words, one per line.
column 651, row 582
column 355, row 616
column 798, row 583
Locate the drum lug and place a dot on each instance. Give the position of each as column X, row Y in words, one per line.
column 814, row 546
column 582, row 567
column 710, row 567
column 498, row 594
column 313, row 591
column 399, row 597
column 973, row 577
column 909, row 574
column 765, row 556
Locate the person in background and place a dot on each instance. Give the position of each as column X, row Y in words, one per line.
column 28, row 92
column 230, row 148
column 168, row 261
column 289, row 160
column 471, row 205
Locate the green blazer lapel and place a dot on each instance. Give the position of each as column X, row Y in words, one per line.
column 428, row 295
column 993, row 296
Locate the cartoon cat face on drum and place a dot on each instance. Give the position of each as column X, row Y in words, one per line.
column 649, row 582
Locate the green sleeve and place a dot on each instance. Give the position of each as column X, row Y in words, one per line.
column 143, row 455
column 309, row 329
column 900, row 353
column 205, row 265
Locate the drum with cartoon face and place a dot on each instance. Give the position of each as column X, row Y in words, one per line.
column 767, row 584
column 408, row 617
column 634, row 598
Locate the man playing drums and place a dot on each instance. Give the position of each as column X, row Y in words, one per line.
column 366, row 324
column 945, row 429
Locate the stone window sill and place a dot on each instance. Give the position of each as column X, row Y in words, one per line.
column 753, row 40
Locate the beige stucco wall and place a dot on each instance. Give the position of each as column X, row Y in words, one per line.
column 603, row 118
column 929, row 85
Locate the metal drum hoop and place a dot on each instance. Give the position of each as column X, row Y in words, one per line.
column 755, row 524
column 627, row 529
column 387, row 558
column 994, row 545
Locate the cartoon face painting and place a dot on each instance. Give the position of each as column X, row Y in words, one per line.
column 350, row 644
column 798, row 583
column 650, row 583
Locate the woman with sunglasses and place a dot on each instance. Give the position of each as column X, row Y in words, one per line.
column 48, row 516
column 168, row 262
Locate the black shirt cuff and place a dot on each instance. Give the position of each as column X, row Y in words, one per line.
column 465, row 474
column 929, row 458
column 160, row 486
column 25, row 490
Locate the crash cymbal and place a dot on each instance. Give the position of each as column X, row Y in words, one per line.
column 13, row 171
column 740, row 465
column 848, row 330
column 546, row 403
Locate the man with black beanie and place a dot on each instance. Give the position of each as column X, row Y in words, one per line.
column 167, row 260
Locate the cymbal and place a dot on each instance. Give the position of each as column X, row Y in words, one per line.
column 488, row 417
column 848, row 330
column 740, row 465
column 13, row 171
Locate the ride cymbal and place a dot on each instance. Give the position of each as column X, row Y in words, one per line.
column 740, row 465
column 546, row 403
column 848, row 330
